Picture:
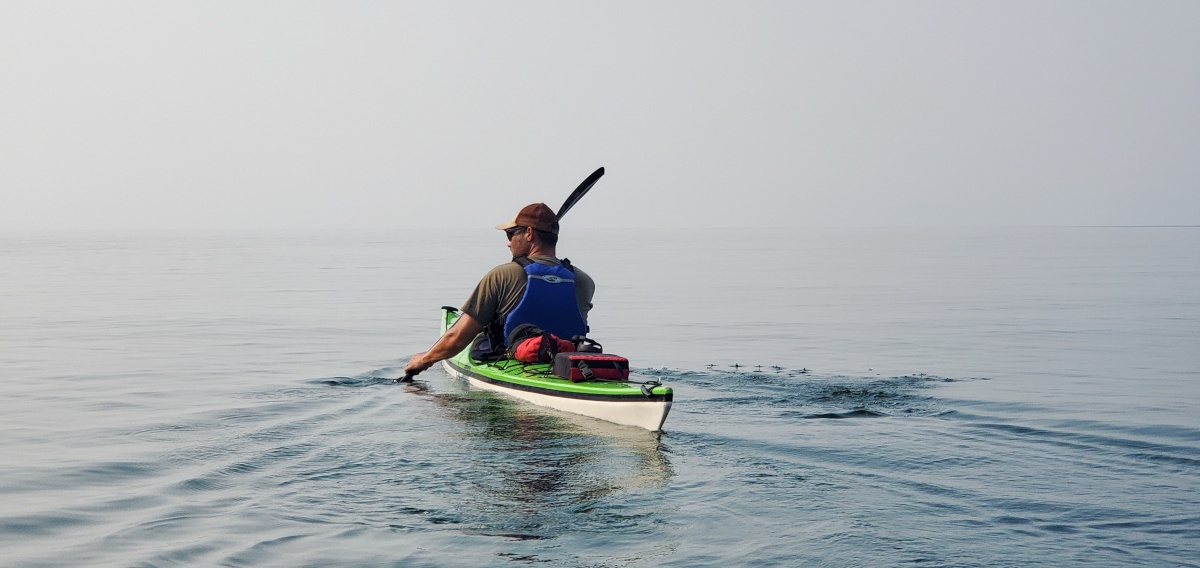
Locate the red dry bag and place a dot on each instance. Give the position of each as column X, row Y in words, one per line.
column 579, row 367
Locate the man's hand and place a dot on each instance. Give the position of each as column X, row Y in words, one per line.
column 457, row 338
column 417, row 364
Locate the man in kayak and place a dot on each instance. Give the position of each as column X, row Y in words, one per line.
column 536, row 287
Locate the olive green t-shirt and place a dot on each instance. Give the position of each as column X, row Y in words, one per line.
column 502, row 288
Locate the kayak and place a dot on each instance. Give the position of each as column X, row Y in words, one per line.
column 641, row 404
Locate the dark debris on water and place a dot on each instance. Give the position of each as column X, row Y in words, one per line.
column 802, row 393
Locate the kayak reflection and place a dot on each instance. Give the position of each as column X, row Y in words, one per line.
column 535, row 472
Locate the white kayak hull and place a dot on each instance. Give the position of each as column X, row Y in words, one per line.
column 642, row 414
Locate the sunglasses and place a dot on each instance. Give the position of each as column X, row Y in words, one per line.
column 510, row 233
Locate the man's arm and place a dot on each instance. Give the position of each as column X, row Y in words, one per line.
column 457, row 338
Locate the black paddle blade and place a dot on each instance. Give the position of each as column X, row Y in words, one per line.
column 578, row 193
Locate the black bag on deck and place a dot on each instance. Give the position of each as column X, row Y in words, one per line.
column 489, row 346
column 585, row 345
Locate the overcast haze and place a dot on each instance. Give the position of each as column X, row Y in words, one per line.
column 292, row 115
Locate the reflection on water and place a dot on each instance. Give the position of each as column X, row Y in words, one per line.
column 536, row 473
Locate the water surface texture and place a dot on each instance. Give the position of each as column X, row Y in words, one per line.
column 844, row 397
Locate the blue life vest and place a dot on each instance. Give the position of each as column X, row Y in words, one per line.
column 549, row 302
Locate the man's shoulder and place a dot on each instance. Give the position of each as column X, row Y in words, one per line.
column 506, row 271
column 579, row 272
column 499, row 283
column 583, row 279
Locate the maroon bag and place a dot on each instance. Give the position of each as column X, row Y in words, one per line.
column 579, row 367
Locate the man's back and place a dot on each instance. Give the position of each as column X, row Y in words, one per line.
column 502, row 288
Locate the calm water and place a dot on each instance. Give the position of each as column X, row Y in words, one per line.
column 849, row 397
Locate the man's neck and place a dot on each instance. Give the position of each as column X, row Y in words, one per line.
column 541, row 251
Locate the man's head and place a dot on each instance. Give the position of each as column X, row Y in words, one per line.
column 535, row 225
column 538, row 216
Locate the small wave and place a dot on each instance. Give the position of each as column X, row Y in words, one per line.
column 358, row 381
column 383, row 375
column 859, row 413
column 1082, row 437
column 42, row 524
column 515, row 536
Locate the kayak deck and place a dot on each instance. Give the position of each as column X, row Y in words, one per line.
column 644, row 405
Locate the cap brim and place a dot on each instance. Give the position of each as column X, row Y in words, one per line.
column 507, row 225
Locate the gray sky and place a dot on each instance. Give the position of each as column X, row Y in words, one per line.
column 268, row 115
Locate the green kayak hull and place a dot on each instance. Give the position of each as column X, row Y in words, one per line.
column 644, row 405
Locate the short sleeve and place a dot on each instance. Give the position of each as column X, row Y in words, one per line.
column 497, row 293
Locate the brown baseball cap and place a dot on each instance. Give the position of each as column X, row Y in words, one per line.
column 538, row 215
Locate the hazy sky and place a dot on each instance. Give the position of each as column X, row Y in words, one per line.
column 267, row 115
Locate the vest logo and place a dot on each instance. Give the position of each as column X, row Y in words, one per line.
column 552, row 279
